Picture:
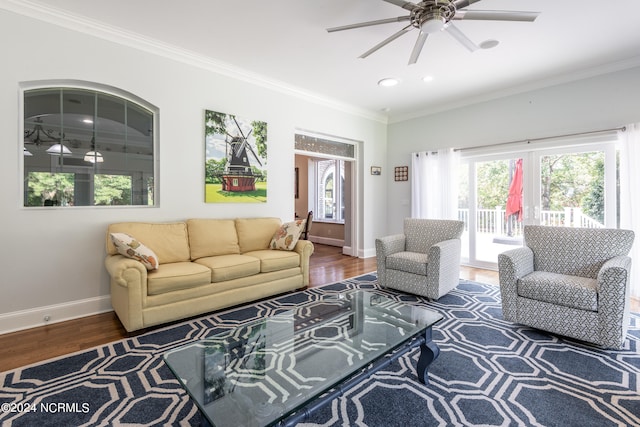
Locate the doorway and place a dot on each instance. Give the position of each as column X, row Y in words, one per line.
column 326, row 183
column 571, row 186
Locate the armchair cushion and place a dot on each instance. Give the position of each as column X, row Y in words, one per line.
column 561, row 289
column 411, row 262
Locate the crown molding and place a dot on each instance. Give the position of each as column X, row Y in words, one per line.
column 138, row 41
column 556, row 80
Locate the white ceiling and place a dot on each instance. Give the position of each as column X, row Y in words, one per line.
column 286, row 42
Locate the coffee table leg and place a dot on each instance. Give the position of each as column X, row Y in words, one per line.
column 429, row 352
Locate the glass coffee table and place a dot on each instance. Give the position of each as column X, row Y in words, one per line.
column 280, row 369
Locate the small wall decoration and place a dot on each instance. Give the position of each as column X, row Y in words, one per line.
column 401, row 173
column 235, row 159
column 376, row 170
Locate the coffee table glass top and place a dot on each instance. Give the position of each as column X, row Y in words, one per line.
column 259, row 373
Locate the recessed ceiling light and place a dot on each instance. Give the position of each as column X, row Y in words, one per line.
column 388, row 82
column 489, row 44
column 89, row 121
column 427, row 79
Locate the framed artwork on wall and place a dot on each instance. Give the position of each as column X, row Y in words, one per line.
column 235, row 159
column 401, row 173
column 376, row 170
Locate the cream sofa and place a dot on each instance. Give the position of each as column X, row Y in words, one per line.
column 204, row 265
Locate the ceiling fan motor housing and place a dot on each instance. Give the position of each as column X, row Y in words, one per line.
column 432, row 16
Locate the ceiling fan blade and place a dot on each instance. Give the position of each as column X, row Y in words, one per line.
column 463, row 3
column 368, row 23
column 496, row 15
column 461, row 37
column 417, row 48
column 386, row 41
column 404, row 4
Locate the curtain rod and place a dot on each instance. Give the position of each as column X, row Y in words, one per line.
column 544, row 138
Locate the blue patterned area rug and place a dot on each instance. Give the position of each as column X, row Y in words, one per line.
column 490, row 372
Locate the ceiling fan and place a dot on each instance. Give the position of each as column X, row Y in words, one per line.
column 431, row 16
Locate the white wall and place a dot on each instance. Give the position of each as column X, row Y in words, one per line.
column 602, row 102
column 52, row 262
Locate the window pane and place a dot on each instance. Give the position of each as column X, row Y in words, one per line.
column 101, row 142
column 330, row 192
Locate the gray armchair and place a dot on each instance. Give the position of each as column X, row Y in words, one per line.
column 570, row 281
column 425, row 260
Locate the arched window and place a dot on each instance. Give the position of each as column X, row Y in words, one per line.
column 330, row 200
column 87, row 147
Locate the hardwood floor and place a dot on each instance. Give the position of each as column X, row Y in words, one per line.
column 22, row 348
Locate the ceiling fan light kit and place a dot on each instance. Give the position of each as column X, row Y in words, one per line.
column 432, row 16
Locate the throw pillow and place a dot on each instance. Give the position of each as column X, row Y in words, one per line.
column 288, row 235
column 132, row 248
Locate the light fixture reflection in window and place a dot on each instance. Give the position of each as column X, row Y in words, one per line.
column 58, row 150
column 93, row 157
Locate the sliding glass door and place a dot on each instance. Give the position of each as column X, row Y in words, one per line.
column 576, row 187
column 500, row 193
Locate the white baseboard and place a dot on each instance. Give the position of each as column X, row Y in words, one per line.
column 40, row 316
column 327, row 241
column 367, row 253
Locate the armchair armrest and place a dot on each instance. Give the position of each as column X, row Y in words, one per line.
column 613, row 300
column 386, row 246
column 614, row 273
column 613, row 287
column 443, row 263
column 513, row 265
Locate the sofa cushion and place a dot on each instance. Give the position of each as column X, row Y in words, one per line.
column 287, row 235
column 131, row 248
column 411, row 262
column 211, row 237
column 255, row 234
column 271, row 260
column 560, row 289
column 169, row 241
column 229, row 267
column 177, row 276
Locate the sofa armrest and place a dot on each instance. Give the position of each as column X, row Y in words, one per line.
column 386, row 246
column 128, row 289
column 305, row 249
column 513, row 265
column 124, row 271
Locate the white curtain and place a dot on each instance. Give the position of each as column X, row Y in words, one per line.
column 629, row 141
column 434, row 184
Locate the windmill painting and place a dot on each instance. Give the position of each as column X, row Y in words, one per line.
column 235, row 159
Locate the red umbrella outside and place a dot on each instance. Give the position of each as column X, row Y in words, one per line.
column 514, row 200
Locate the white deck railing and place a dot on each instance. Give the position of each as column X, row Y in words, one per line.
column 493, row 220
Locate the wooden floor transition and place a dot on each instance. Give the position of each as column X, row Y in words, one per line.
column 22, row 348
